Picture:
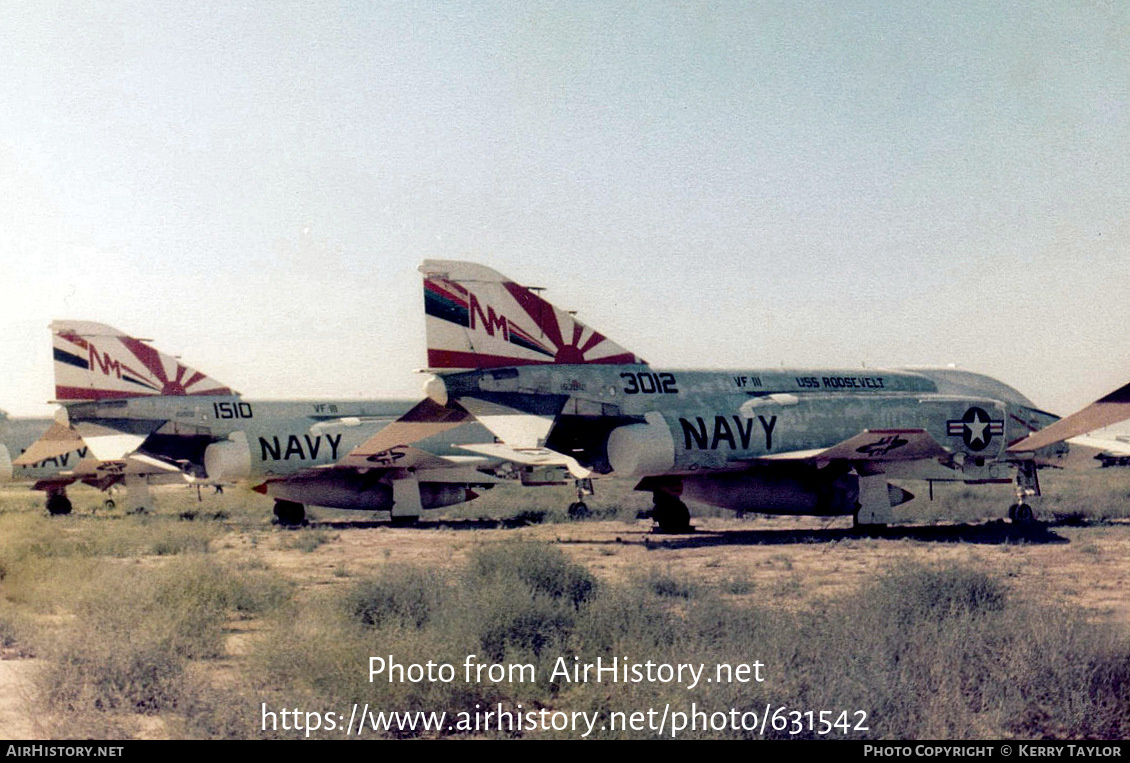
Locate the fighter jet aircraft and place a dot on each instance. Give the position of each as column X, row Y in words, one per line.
column 16, row 436
column 125, row 398
column 52, row 457
column 819, row 442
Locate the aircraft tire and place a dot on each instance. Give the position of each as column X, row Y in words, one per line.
column 108, row 504
column 290, row 513
column 671, row 514
column 58, row 504
column 578, row 510
column 1023, row 514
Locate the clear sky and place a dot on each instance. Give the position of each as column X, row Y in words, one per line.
column 252, row 185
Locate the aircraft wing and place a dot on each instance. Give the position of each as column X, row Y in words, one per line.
column 396, row 456
column 56, row 441
column 1083, row 453
column 61, row 439
column 875, row 445
column 1112, row 445
column 1107, row 410
column 426, row 419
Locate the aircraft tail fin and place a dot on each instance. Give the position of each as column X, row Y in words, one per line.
column 97, row 362
column 477, row 318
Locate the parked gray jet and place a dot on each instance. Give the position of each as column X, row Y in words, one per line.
column 125, row 398
column 819, row 442
column 52, row 457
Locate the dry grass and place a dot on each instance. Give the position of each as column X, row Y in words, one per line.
column 160, row 626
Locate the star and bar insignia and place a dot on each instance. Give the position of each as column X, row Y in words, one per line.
column 976, row 428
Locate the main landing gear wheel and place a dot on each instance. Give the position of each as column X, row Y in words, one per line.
column 671, row 514
column 289, row 513
column 1021, row 514
column 578, row 510
column 58, row 504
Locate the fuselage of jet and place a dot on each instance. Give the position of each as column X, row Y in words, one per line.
column 181, row 428
column 287, row 449
column 634, row 420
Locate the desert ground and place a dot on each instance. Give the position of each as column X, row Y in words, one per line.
column 184, row 620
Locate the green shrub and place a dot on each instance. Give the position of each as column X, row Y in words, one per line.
column 407, row 597
column 922, row 593
column 545, row 569
column 666, row 584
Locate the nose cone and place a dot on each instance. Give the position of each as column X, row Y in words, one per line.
column 436, row 390
column 5, row 464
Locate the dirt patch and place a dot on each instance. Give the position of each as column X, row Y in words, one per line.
column 781, row 560
column 17, row 717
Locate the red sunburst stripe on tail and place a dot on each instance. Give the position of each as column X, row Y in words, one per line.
column 593, row 341
column 149, row 357
column 447, row 289
column 525, row 336
column 541, row 312
column 75, row 339
column 88, row 393
column 456, row 359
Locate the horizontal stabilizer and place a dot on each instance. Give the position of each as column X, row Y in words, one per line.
column 873, row 445
column 1104, row 412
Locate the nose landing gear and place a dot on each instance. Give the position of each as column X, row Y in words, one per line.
column 1027, row 491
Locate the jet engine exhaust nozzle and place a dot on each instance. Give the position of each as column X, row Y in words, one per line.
column 639, row 449
column 228, row 461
